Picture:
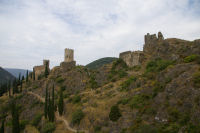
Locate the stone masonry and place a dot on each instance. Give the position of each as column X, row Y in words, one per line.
column 132, row 58
column 69, row 62
column 39, row 70
column 136, row 57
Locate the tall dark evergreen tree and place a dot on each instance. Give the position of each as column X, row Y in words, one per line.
column 33, row 74
column 27, row 76
column 23, row 78
column 15, row 118
column 2, row 127
column 19, row 79
column 9, row 88
column 21, row 85
column 52, row 106
column 46, row 73
column 49, row 107
column 46, row 104
column 61, row 103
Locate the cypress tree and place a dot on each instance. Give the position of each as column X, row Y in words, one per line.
column 19, row 79
column 9, row 87
column 52, row 106
column 49, row 107
column 21, row 85
column 23, row 78
column 61, row 103
column 15, row 118
column 46, row 104
column 27, row 76
column 33, row 74
column 2, row 127
column 46, row 73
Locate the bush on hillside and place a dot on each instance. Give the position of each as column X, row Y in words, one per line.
column 128, row 82
column 77, row 116
column 157, row 65
column 76, row 99
column 48, row 127
column 191, row 58
column 114, row 113
column 59, row 80
column 139, row 101
column 36, row 120
column 196, row 79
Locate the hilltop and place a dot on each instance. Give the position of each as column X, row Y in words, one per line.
column 149, row 91
column 5, row 76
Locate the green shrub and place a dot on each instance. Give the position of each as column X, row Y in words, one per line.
column 77, row 116
column 123, row 101
column 122, row 74
column 191, row 58
column 48, row 127
column 196, row 79
column 158, row 87
column 118, row 62
column 174, row 114
column 97, row 129
column 59, row 80
column 76, row 99
column 157, row 65
column 139, row 101
column 36, row 120
column 128, row 82
column 114, row 113
column 92, row 82
column 23, row 124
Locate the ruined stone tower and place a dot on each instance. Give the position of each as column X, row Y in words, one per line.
column 132, row 58
column 69, row 55
column 151, row 42
column 69, row 62
column 40, row 70
column 46, row 63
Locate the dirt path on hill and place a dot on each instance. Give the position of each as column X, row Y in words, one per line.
column 58, row 117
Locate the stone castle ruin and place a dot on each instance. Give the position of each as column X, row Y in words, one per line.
column 132, row 58
column 40, row 70
column 137, row 57
column 69, row 62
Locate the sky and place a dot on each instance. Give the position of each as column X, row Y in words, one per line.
column 33, row 30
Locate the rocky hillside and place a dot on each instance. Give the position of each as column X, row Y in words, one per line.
column 5, row 76
column 160, row 95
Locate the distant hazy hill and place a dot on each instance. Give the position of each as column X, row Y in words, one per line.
column 100, row 62
column 5, row 76
column 15, row 72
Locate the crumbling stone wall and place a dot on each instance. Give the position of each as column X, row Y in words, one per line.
column 151, row 42
column 39, row 70
column 132, row 58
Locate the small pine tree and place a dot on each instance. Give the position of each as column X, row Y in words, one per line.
column 21, row 85
column 33, row 74
column 23, row 78
column 49, row 107
column 61, row 103
column 19, row 78
column 15, row 118
column 46, row 104
column 27, row 76
column 2, row 127
column 46, row 73
column 52, row 106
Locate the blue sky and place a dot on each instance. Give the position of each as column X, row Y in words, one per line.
column 33, row 30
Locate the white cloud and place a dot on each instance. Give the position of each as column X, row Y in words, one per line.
column 33, row 30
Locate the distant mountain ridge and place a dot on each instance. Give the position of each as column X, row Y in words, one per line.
column 100, row 62
column 5, row 76
column 15, row 72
